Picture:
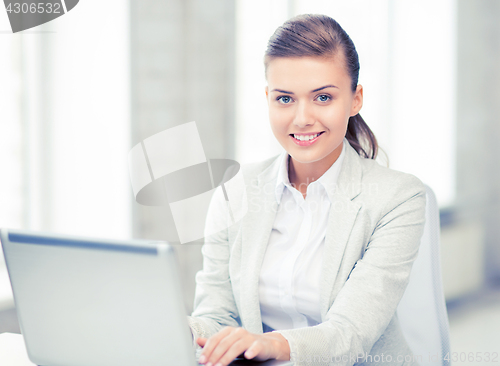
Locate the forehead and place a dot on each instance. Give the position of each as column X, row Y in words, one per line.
column 306, row 73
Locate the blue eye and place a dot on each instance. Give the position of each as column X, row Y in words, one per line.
column 285, row 99
column 323, row 98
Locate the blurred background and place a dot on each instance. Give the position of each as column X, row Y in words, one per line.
column 76, row 94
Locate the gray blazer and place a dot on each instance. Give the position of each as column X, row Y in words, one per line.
column 375, row 225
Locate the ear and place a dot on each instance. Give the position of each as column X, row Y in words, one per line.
column 267, row 93
column 357, row 101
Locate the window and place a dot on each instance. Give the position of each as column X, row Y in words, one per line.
column 64, row 131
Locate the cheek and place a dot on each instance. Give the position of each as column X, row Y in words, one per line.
column 336, row 116
column 279, row 118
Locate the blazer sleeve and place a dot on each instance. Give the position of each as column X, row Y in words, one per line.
column 368, row 300
column 214, row 304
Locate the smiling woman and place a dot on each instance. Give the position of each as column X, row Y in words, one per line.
column 315, row 270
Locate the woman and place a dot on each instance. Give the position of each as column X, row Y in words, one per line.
column 315, row 270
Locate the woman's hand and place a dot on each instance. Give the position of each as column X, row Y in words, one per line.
column 230, row 342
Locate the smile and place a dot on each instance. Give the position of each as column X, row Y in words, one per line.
column 305, row 140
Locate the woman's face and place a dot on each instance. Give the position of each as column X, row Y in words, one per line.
column 310, row 101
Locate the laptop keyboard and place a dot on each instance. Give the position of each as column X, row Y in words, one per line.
column 235, row 361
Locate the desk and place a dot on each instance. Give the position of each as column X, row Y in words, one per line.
column 13, row 351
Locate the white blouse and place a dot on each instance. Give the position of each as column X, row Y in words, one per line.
column 289, row 277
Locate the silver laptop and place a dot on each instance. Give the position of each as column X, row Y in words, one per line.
column 84, row 301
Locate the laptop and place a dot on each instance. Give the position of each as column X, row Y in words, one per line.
column 83, row 301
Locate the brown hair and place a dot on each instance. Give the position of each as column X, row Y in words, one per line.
column 321, row 36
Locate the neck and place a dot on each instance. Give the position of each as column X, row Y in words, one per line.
column 302, row 174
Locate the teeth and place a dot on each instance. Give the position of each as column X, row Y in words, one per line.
column 305, row 137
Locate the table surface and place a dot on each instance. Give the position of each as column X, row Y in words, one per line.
column 13, row 353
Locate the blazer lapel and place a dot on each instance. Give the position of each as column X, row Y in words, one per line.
column 255, row 232
column 341, row 219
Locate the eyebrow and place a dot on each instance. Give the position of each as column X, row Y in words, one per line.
column 312, row 91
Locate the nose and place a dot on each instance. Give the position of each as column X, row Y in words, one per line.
column 303, row 115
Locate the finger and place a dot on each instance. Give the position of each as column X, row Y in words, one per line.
column 201, row 341
column 254, row 351
column 237, row 348
column 212, row 342
column 226, row 345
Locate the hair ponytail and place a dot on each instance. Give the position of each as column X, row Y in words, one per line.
column 361, row 137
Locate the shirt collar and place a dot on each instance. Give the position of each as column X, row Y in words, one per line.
column 328, row 180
